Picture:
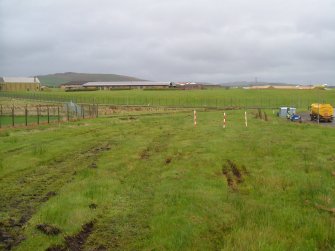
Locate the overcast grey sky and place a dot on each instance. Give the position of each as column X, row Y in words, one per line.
column 199, row 40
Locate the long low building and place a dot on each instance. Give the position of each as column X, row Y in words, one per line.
column 126, row 84
column 19, row 84
column 279, row 87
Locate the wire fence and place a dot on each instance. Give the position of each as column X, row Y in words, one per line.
column 16, row 115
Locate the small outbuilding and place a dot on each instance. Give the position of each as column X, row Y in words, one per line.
column 19, row 84
column 284, row 111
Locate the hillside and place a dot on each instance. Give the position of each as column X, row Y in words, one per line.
column 60, row 78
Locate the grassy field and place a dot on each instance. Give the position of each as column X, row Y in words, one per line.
column 157, row 183
column 189, row 98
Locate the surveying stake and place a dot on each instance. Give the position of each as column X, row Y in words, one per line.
column 246, row 119
column 195, row 118
column 224, row 120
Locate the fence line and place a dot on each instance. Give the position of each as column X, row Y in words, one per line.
column 11, row 115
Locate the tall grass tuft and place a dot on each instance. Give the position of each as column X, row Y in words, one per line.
column 38, row 150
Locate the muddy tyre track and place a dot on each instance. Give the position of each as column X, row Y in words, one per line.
column 131, row 222
column 22, row 194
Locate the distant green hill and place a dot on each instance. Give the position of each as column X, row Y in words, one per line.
column 61, row 78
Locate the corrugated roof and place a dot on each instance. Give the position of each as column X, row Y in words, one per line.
column 20, row 80
column 126, row 83
column 74, row 83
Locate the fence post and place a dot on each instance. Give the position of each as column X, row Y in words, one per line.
column 76, row 112
column 48, row 115
column 26, row 114
column 38, row 114
column 83, row 111
column 97, row 115
column 58, row 114
column 67, row 112
column 13, row 123
column 0, row 116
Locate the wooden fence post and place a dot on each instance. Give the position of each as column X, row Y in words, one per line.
column 38, row 114
column 0, row 116
column 83, row 111
column 58, row 114
column 48, row 114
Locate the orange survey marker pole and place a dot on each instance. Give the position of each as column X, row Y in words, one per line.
column 195, row 118
column 224, row 120
column 246, row 119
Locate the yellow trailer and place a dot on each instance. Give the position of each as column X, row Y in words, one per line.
column 322, row 112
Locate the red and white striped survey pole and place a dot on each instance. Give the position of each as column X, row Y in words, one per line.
column 246, row 119
column 195, row 118
column 224, row 120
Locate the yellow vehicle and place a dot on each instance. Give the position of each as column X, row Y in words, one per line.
column 322, row 112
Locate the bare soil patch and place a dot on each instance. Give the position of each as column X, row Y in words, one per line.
column 93, row 206
column 234, row 173
column 168, row 160
column 145, row 154
column 93, row 165
column 48, row 196
column 77, row 241
column 48, row 229
column 56, row 248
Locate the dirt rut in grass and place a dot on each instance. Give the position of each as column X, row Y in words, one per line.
column 22, row 195
column 77, row 241
column 234, row 174
column 129, row 223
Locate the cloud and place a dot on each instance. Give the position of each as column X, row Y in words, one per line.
column 217, row 41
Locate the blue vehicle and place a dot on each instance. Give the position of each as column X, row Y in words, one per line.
column 295, row 118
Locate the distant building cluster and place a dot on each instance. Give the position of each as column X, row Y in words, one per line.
column 19, row 84
column 280, row 87
column 33, row 84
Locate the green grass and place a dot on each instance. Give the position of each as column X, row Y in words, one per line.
column 21, row 120
column 189, row 98
column 158, row 183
